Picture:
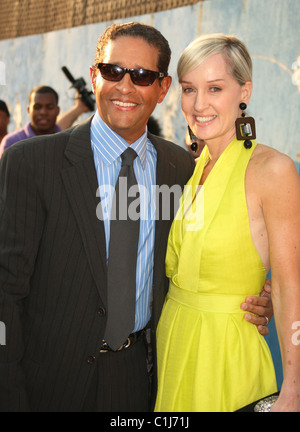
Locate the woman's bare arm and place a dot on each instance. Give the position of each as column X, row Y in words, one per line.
column 280, row 197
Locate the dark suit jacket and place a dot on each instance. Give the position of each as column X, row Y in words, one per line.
column 53, row 297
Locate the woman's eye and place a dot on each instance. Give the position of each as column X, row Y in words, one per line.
column 215, row 89
column 187, row 89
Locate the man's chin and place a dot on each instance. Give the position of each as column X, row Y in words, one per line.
column 44, row 130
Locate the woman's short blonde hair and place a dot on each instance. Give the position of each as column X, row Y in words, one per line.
column 235, row 53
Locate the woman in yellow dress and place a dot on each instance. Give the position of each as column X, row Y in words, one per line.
column 239, row 217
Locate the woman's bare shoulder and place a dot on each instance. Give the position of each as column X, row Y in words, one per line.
column 271, row 173
column 271, row 161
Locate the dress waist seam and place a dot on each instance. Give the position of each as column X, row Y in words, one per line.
column 217, row 303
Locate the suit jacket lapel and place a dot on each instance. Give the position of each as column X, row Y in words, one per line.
column 80, row 181
column 165, row 177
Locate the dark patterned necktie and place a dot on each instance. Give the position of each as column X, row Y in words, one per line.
column 123, row 246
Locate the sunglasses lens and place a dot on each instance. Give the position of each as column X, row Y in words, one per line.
column 143, row 77
column 111, row 72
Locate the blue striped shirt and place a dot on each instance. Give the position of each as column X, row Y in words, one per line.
column 107, row 148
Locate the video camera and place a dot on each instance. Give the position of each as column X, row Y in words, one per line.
column 79, row 84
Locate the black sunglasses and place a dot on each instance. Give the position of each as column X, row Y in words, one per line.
column 140, row 77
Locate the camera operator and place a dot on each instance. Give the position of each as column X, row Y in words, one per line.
column 43, row 111
column 66, row 120
column 84, row 101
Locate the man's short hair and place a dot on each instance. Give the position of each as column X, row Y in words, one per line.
column 134, row 29
column 43, row 89
column 3, row 107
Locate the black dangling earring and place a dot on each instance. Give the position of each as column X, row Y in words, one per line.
column 245, row 128
column 194, row 145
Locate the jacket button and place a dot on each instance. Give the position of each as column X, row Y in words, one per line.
column 101, row 311
column 91, row 359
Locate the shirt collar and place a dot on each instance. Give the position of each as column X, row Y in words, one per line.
column 109, row 145
column 30, row 132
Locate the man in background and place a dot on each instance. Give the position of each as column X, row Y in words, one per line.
column 4, row 119
column 43, row 110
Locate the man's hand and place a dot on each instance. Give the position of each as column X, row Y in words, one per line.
column 261, row 307
column 67, row 119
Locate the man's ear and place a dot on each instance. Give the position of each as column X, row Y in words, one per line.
column 164, row 85
column 93, row 75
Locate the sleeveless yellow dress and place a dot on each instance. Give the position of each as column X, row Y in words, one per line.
column 209, row 357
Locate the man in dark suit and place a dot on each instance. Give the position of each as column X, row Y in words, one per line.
column 54, row 244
